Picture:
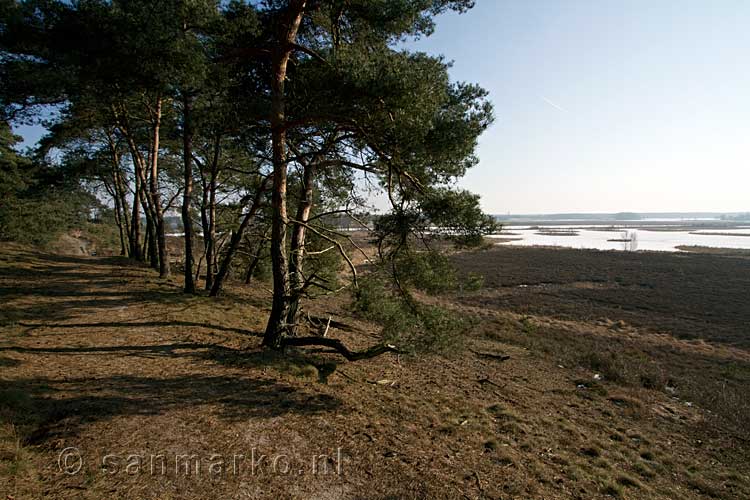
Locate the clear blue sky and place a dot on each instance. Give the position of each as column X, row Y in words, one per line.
column 608, row 106
column 604, row 105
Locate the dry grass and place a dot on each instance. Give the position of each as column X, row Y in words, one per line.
column 102, row 355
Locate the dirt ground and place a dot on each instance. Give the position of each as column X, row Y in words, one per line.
column 113, row 384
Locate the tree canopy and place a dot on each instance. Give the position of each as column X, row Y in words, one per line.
column 267, row 124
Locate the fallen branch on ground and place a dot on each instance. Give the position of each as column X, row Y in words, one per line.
column 498, row 357
column 340, row 348
column 318, row 321
column 486, row 380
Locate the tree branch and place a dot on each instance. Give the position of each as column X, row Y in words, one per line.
column 340, row 348
column 338, row 244
column 310, row 52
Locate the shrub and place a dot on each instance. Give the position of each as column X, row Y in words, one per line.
column 412, row 326
column 429, row 271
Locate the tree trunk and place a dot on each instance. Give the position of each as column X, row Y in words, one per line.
column 187, row 153
column 120, row 116
column 150, row 243
column 119, row 221
column 297, row 245
column 211, row 242
column 149, row 240
column 121, row 213
column 111, row 190
column 135, row 225
column 254, row 263
column 204, row 227
column 161, row 238
column 234, row 243
column 276, row 330
column 120, row 190
column 140, row 196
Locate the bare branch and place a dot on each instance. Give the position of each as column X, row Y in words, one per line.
column 337, row 243
column 340, row 348
column 310, row 52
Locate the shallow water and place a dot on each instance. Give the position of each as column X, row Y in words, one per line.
column 640, row 239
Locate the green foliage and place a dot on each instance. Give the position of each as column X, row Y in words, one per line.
column 411, row 326
column 12, row 164
column 41, row 217
column 458, row 216
column 38, row 203
column 430, row 271
column 439, row 213
column 353, row 104
column 102, row 231
column 325, row 266
column 473, row 282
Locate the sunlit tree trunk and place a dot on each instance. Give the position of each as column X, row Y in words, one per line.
column 211, row 245
column 297, row 245
column 158, row 212
column 123, row 202
column 119, row 221
column 276, row 329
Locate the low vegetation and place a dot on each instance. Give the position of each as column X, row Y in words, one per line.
column 532, row 405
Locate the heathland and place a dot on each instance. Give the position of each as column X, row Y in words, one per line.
column 586, row 374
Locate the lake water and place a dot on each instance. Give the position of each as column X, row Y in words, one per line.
column 639, row 239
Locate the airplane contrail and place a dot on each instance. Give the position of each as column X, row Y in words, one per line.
column 559, row 108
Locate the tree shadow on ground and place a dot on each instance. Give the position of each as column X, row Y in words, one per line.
column 50, row 408
column 305, row 364
column 52, row 290
column 9, row 362
column 44, row 287
column 129, row 325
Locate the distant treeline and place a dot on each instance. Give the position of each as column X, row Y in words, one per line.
column 626, row 216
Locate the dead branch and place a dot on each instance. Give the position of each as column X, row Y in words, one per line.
column 338, row 245
column 340, row 348
column 318, row 321
column 489, row 355
column 328, row 325
column 486, row 380
column 320, row 252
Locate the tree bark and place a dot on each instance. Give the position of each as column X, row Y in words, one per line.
column 234, row 243
column 187, row 153
column 120, row 191
column 112, row 191
column 204, row 227
column 139, row 193
column 135, row 224
column 254, row 263
column 161, row 238
column 297, row 245
column 211, row 245
column 119, row 221
column 115, row 190
column 150, row 243
column 276, row 329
